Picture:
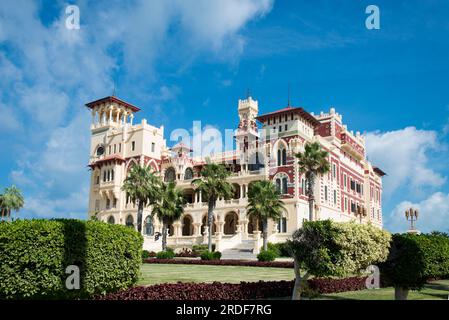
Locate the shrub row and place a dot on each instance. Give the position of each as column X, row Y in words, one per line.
column 242, row 263
column 267, row 255
column 281, row 249
column 34, row 255
column 330, row 285
column 415, row 259
column 228, row 291
column 208, row 255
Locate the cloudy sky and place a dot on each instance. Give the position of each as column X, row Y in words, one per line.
column 182, row 60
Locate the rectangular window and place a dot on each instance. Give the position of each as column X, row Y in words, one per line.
column 346, row 204
column 282, row 225
column 357, row 188
column 109, row 149
column 344, row 181
column 152, row 146
column 335, row 196
column 352, row 185
column 104, row 176
column 119, row 147
column 274, row 120
column 133, row 145
column 268, row 121
column 334, row 171
column 286, row 128
column 114, row 203
column 352, row 207
column 325, row 193
column 284, row 186
column 286, row 117
column 292, row 117
column 280, row 128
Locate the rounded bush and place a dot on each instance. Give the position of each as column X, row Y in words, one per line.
column 146, row 254
column 207, row 255
column 169, row 254
column 266, row 255
column 35, row 254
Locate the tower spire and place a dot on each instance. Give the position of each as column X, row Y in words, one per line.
column 248, row 93
column 288, row 99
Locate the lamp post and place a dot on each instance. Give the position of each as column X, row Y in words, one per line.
column 412, row 215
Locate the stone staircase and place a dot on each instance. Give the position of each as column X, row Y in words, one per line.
column 243, row 251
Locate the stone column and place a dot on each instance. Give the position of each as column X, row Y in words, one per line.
column 131, row 118
column 110, row 115
column 206, row 234
column 197, row 229
column 220, row 227
column 256, row 249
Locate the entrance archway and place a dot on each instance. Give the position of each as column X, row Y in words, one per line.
column 254, row 224
column 187, row 226
column 231, row 220
column 204, row 224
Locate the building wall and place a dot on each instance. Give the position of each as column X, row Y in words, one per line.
column 141, row 143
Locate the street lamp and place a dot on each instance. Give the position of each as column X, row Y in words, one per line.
column 412, row 215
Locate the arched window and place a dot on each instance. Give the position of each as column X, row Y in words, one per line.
column 282, row 225
column 278, row 185
column 284, row 185
column 148, row 227
column 111, row 220
column 100, row 151
column 279, row 157
column 284, row 157
column 188, row 174
column 170, row 175
column 130, row 221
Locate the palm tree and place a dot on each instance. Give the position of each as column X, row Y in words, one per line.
column 168, row 208
column 213, row 185
column 2, row 206
column 11, row 200
column 312, row 162
column 264, row 202
column 142, row 187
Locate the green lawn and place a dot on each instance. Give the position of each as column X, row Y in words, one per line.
column 435, row 291
column 172, row 273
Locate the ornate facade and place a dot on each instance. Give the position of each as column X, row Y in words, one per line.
column 265, row 148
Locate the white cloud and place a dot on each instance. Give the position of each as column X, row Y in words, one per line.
column 404, row 156
column 433, row 214
column 52, row 71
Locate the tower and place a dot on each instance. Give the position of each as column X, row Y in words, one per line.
column 247, row 135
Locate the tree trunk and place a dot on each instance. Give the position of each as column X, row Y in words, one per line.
column 139, row 216
column 9, row 215
column 299, row 281
column 265, row 234
column 400, row 293
column 311, row 184
column 2, row 214
column 210, row 217
column 164, row 235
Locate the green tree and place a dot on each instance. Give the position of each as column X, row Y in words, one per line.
column 142, row 188
column 213, row 185
column 11, row 200
column 168, row 208
column 264, row 203
column 335, row 249
column 312, row 162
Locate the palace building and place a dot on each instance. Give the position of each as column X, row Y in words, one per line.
column 265, row 149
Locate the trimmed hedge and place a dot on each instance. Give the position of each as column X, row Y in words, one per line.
column 226, row 262
column 281, row 249
column 214, row 255
column 34, row 255
column 169, row 254
column 232, row 291
column 266, row 255
column 415, row 259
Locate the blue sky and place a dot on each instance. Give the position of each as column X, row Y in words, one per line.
column 182, row 61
